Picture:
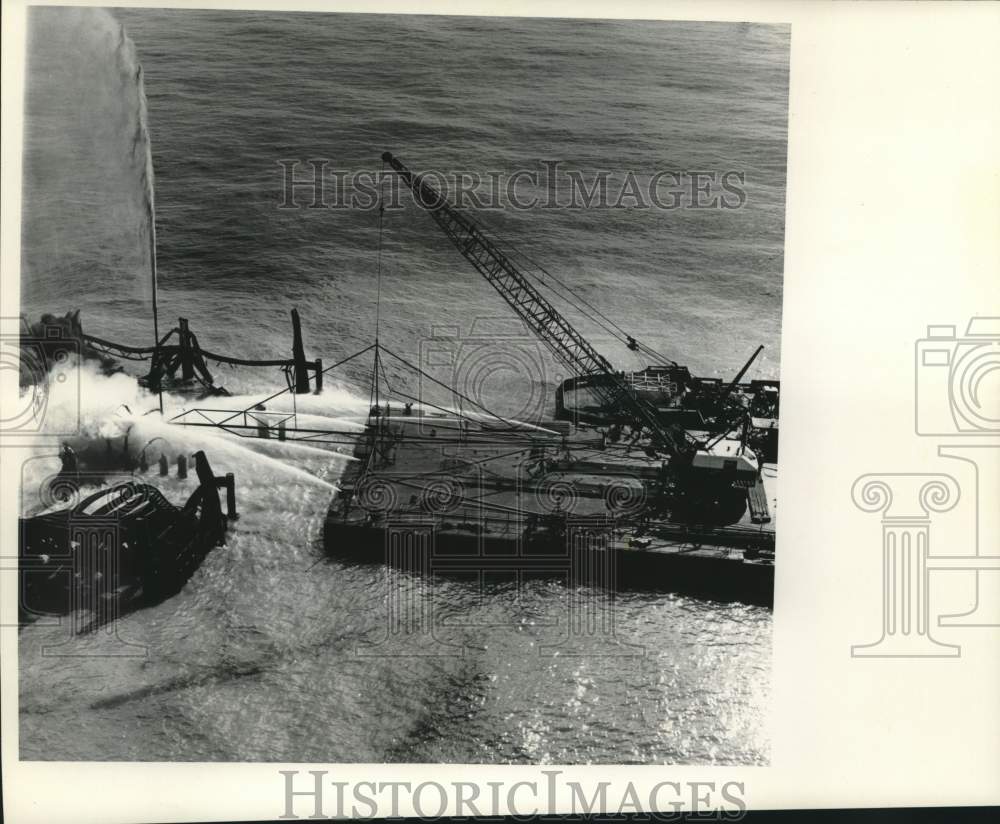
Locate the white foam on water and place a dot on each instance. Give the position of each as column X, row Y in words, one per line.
column 114, row 408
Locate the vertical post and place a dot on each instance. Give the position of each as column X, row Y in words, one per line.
column 187, row 360
column 231, row 496
column 182, row 466
column 319, row 375
column 299, row 356
column 281, row 430
column 151, row 206
column 211, row 511
column 164, row 466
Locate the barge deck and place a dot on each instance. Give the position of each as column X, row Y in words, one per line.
column 468, row 497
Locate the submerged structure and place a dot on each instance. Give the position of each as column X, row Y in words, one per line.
column 119, row 548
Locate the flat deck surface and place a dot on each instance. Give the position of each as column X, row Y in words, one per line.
column 466, row 473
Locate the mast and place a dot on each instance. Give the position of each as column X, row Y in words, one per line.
column 152, row 267
column 151, row 211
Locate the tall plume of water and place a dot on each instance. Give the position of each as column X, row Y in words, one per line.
column 88, row 230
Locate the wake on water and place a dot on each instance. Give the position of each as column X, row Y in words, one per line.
column 115, row 410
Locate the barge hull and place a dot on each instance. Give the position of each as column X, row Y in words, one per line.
column 598, row 559
column 435, row 494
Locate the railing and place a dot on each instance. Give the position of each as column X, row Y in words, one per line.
column 248, row 423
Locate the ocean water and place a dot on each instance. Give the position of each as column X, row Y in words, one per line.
column 274, row 651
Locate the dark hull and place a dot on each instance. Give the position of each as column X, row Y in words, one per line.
column 591, row 556
column 118, row 550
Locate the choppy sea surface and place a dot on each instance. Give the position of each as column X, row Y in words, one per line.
column 274, row 651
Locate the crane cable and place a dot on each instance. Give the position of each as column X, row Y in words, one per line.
column 610, row 326
column 595, row 315
column 374, row 397
column 378, row 256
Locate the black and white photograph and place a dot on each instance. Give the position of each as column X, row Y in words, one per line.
column 396, row 399
column 406, row 388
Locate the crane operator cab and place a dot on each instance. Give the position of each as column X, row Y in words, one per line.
column 730, row 458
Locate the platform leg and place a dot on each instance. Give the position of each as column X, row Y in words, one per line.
column 299, row 356
column 231, row 497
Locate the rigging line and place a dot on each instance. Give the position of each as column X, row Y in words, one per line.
column 429, row 440
column 573, row 299
column 440, row 425
column 472, row 438
column 378, row 254
column 238, row 412
column 476, row 503
column 151, row 207
column 621, row 335
column 512, row 424
column 486, row 492
column 513, row 251
column 374, row 397
column 449, row 473
column 385, row 377
column 568, row 296
column 437, row 425
column 516, row 252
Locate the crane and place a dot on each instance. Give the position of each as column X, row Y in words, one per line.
column 708, row 480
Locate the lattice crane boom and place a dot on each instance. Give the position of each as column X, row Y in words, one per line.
column 565, row 342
